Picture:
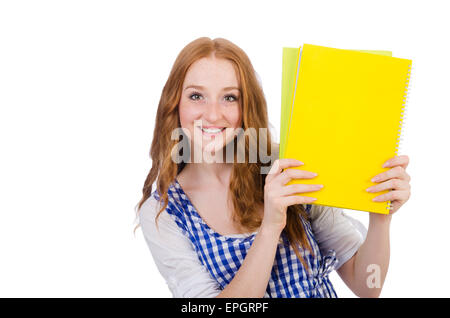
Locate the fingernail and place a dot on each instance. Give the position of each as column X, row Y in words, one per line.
column 386, row 164
column 320, row 186
column 314, row 174
column 313, row 199
column 369, row 189
column 374, row 179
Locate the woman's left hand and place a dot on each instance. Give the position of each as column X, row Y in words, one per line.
column 395, row 179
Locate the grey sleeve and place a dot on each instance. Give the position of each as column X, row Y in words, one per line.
column 174, row 255
column 333, row 229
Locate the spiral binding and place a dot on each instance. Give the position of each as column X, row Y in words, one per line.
column 403, row 113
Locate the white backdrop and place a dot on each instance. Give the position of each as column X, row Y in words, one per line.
column 80, row 82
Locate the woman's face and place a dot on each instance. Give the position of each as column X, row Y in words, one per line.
column 210, row 103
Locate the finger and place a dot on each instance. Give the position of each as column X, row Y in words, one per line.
column 394, row 184
column 281, row 164
column 398, row 195
column 396, row 172
column 401, row 161
column 289, row 174
column 407, row 177
column 296, row 199
column 300, row 188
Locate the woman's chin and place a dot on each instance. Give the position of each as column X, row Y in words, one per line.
column 210, row 149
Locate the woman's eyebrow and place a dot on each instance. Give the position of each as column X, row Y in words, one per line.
column 202, row 87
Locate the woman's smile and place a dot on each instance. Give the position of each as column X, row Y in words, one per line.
column 211, row 131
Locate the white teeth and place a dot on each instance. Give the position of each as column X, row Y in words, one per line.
column 212, row 130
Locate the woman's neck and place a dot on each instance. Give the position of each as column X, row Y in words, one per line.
column 209, row 171
column 207, row 174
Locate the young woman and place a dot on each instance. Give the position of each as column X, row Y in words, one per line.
column 223, row 228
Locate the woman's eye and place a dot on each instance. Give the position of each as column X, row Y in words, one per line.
column 195, row 96
column 231, row 98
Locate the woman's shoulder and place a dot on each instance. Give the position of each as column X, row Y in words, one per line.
column 174, row 210
column 150, row 207
column 151, row 217
column 328, row 217
column 322, row 213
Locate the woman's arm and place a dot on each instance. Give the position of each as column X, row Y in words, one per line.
column 253, row 276
column 365, row 272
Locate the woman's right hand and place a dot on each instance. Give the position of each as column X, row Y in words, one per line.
column 278, row 196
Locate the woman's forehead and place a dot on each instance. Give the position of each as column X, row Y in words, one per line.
column 211, row 72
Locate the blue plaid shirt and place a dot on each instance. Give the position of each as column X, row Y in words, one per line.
column 223, row 255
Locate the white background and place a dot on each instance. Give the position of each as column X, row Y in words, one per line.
column 80, row 82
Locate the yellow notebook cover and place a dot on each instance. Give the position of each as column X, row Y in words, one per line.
column 346, row 121
column 288, row 77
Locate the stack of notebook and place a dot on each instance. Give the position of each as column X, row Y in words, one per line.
column 341, row 115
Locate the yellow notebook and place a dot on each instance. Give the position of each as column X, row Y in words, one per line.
column 345, row 122
column 289, row 75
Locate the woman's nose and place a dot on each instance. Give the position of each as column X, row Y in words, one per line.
column 213, row 112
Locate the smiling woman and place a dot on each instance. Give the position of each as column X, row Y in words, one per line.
column 227, row 229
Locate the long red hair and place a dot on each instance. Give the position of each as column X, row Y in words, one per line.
column 246, row 182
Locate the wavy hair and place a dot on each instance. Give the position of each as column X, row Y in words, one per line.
column 247, row 182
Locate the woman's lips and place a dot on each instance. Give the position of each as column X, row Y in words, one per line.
column 211, row 133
